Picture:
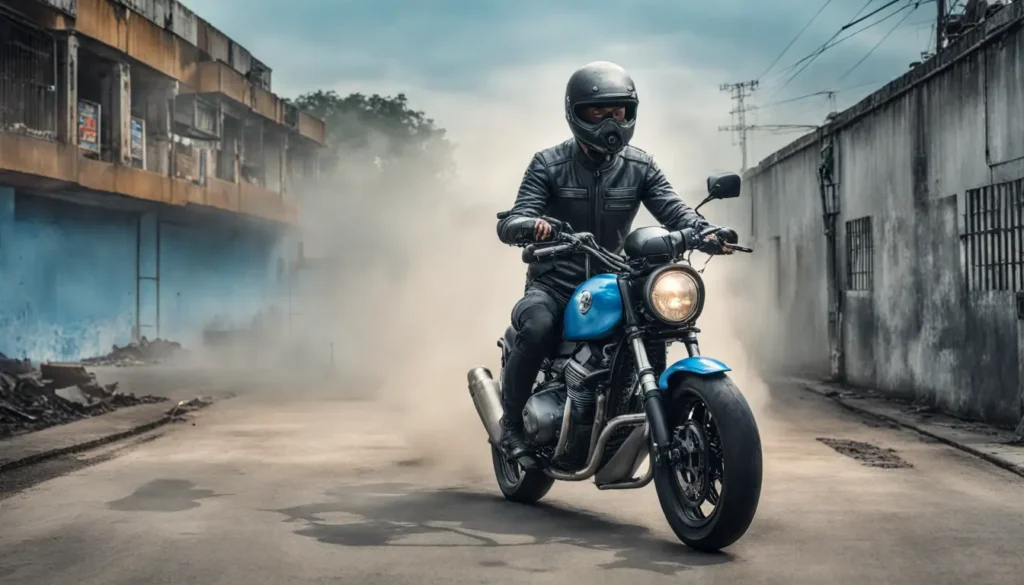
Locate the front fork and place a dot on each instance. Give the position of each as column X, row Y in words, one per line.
column 654, row 406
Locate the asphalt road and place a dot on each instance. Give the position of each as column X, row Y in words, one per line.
column 322, row 491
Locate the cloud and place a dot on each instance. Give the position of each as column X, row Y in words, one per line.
column 492, row 73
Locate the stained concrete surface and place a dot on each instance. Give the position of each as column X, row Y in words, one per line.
column 982, row 440
column 323, row 491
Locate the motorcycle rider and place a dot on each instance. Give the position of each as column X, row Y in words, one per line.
column 595, row 181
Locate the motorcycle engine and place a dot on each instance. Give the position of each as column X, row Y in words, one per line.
column 542, row 417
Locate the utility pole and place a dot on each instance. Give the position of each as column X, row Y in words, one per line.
column 740, row 92
column 940, row 22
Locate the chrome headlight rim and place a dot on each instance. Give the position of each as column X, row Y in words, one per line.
column 649, row 290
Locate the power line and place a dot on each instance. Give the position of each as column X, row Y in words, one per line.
column 794, row 39
column 829, row 44
column 796, row 99
column 879, row 43
column 867, row 16
column 809, row 59
column 866, row 4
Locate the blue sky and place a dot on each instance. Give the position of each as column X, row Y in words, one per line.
column 492, row 71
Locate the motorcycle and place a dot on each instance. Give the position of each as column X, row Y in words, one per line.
column 606, row 400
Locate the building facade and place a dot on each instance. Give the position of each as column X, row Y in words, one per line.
column 149, row 177
column 893, row 238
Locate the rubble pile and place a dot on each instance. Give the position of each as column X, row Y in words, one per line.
column 138, row 353
column 32, row 399
column 184, row 407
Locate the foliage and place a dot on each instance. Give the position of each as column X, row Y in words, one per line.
column 380, row 132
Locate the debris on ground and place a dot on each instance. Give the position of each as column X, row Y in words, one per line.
column 33, row 399
column 1018, row 435
column 867, row 453
column 186, row 406
column 138, row 353
column 14, row 367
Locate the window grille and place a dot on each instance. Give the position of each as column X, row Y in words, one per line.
column 994, row 237
column 860, row 250
column 28, row 79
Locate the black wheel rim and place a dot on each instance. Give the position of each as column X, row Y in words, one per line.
column 698, row 467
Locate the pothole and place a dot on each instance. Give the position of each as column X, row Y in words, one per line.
column 866, row 453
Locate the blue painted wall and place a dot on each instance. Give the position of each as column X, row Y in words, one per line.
column 224, row 276
column 69, row 276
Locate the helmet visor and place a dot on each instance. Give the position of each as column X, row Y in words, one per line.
column 622, row 113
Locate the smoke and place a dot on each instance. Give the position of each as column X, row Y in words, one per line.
column 407, row 286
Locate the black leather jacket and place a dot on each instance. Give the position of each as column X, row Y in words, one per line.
column 563, row 183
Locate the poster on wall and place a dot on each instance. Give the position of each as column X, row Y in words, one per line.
column 89, row 126
column 138, row 147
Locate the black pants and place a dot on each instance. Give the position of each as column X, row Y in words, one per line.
column 537, row 318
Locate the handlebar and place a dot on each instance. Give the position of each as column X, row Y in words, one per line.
column 564, row 240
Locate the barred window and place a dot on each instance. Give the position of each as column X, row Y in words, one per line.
column 860, row 259
column 28, row 84
column 994, row 237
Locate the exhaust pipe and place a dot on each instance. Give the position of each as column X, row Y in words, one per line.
column 487, row 400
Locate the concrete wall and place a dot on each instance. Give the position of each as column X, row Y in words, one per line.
column 71, row 285
column 68, row 275
column 906, row 156
column 224, row 277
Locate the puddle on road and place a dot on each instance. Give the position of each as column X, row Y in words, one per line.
column 866, row 453
column 163, row 495
column 398, row 514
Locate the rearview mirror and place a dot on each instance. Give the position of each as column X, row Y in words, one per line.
column 724, row 186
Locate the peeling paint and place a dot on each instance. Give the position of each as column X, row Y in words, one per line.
column 71, row 276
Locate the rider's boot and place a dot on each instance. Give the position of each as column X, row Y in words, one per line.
column 517, row 379
column 513, row 442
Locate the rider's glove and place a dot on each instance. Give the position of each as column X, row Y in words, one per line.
column 712, row 244
column 524, row 229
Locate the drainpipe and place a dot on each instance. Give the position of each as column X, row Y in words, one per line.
column 1018, row 438
column 828, row 190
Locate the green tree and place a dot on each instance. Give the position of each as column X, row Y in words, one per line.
column 380, row 132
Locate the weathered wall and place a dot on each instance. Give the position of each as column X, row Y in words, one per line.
column 216, row 276
column 905, row 157
column 786, row 225
column 70, row 285
column 68, row 275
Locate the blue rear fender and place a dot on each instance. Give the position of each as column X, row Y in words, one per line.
column 697, row 365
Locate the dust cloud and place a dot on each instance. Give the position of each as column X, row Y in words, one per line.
column 407, row 286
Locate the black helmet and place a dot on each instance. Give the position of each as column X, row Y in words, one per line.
column 601, row 84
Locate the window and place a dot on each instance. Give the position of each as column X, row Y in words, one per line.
column 860, row 259
column 994, row 237
column 28, row 84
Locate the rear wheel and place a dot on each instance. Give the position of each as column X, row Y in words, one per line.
column 710, row 491
column 526, row 486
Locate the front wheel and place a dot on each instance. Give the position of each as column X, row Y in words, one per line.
column 525, row 486
column 710, row 491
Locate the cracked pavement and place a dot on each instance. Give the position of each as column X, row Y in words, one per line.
column 272, row 491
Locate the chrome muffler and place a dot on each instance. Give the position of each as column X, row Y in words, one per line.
column 487, row 399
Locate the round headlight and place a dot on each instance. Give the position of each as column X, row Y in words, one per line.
column 675, row 295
